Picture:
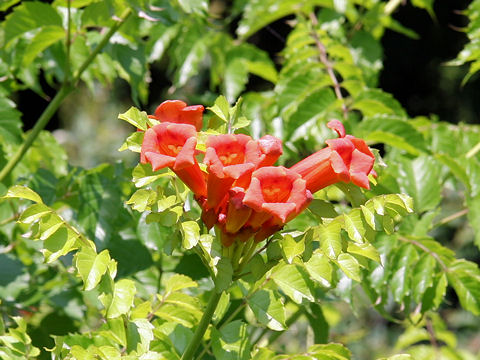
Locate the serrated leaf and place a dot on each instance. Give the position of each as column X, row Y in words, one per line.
column 47, row 36
column 122, row 298
column 23, row 192
column 464, row 277
column 190, row 234
column 143, row 174
column 294, row 281
column 91, row 266
column 320, row 269
column 330, row 239
column 179, row 315
column 59, row 243
column 142, row 199
column 10, row 123
column 354, row 225
column 420, row 178
column 268, row 309
column 25, row 18
column 135, row 117
column 221, row 108
column 292, row 247
column 33, row 213
column 349, row 266
column 179, row 282
column 133, row 142
column 423, row 276
column 367, row 250
column 400, row 282
column 335, row 351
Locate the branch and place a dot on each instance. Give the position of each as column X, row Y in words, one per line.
column 64, row 91
column 427, row 250
column 328, row 65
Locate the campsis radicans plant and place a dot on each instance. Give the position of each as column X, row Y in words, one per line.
column 242, row 194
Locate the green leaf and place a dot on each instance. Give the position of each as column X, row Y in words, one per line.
column 179, row 282
column 33, row 213
column 194, row 6
column 473, row 205
column 133, row 68
column 59, row 243
column 420, row 178
column 403, row 261
column 10, row 123
column 333, row 351
column 392, row 130
column 464, row 277
column 142, row 199
column 192, row 60
column 43, row 39
column 268, row 309
column 330, row 238
column 91, row 266
column 367, row 250
column 373, row 102
column 314, row 107
column 349, row 266
column 292, row 247
column 176, row 314
column 133, row 142
column 25, row 17
column 23, row 192
column 354, row 225
column 259, row 13
column 122, row 298
column 223, row 280
column 294, row 281
column 221, row 108
column 135, row 117
column 190, row 233
column 320, row 269
column 423, row 275
column 143, row 174
column 231, row 342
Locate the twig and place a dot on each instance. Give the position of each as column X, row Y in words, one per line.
column 328, row 65
column 427, row 250
column 452, row 217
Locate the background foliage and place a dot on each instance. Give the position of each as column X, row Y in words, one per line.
column 94, row 265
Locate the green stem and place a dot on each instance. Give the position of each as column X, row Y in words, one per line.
column 64, row 91
column 39, row 125
column 202, row 326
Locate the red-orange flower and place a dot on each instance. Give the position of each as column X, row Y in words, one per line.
column 173, row 145
column 277, row 192
column 176, row 111
column 228, row 158
column 346, row 159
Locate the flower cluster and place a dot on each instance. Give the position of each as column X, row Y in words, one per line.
column 241, row 192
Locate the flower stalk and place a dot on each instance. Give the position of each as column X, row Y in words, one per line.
column 202, row 326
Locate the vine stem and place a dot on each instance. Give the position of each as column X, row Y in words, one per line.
column 64, row 91
column 328, row 65
column 202, row 326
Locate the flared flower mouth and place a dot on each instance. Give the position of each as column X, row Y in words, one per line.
column 279, row 192
column 173, row 145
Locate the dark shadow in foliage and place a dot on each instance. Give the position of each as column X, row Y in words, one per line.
column 192, row 266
